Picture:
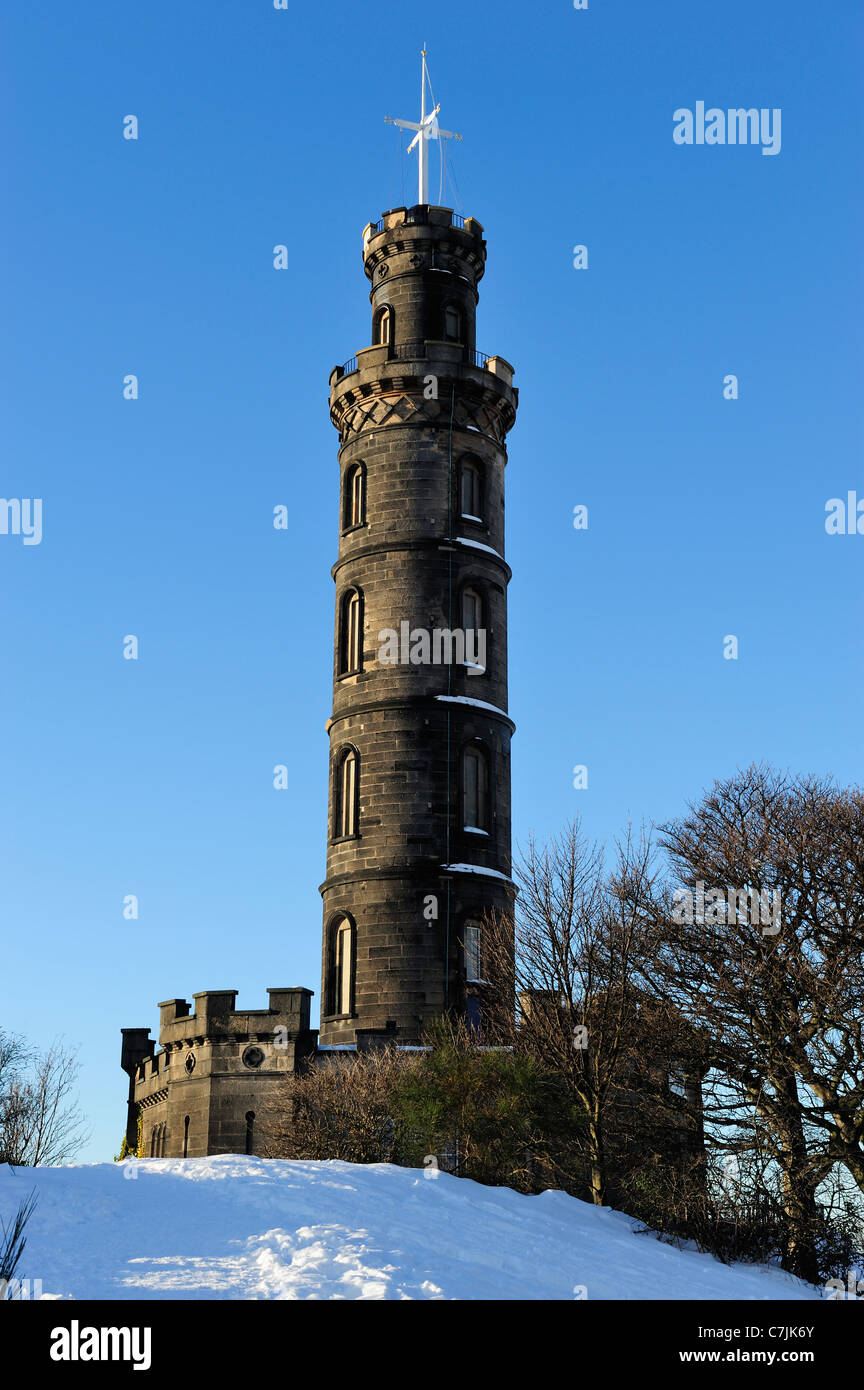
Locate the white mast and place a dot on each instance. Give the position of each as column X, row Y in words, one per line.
column 428, row 129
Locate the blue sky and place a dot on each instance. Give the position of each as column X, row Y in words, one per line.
column 154, row 257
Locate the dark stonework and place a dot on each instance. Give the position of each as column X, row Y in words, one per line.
column 411, row 411
column 194, row 1096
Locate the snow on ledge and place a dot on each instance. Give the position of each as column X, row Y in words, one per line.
column 476, row 704
column 478, row 545
column 474, row 869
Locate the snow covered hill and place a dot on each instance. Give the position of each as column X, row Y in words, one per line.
column 247, row 1228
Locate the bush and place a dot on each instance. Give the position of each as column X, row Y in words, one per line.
column 490, row 1114
column 749, row 1225
column 12, row 1242
column 340, row 1107
column 125, row 1151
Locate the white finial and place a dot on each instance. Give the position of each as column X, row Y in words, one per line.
column 427, row 129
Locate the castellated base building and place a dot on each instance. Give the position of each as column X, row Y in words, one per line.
column 203, row 1091
column 418, row 834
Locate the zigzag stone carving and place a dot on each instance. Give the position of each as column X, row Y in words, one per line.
column 398, row 408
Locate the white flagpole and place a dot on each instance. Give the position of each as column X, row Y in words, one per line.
column 423, row 151
column 422, row 135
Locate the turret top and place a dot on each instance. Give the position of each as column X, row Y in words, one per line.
column 428, row 216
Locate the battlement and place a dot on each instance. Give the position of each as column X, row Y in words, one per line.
column 215, row 1015
column 214, row 1019
column 215, row 1069
column 422, row 215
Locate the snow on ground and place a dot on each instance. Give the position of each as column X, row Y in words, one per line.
column 234, row 1227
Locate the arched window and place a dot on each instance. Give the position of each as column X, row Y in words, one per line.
column 475, row 789
column 354, row 488
column 341, row 974
column 186, row 1137
column 472, row 610
column 153, row 1141
column 471, row 947
column 383, row 333
column 162, row 1129
column 250, row 1126
column 452, row 324
column 470, row 491
column 351, row 632
column 474, row 631
column 345, row 795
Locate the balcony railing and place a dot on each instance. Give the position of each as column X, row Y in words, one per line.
column 417, row 217
column 406, row 352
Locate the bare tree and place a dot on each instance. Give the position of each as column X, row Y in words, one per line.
column 760, row 948
column 339, row 1107
column 40, row 1121
column 572, row 955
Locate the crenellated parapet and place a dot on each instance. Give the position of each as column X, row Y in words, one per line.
column 215, row 1069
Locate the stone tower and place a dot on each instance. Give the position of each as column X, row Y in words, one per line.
column 418, row 839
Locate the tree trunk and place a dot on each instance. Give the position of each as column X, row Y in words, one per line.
column 598, row 1162
column 799, row 1184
